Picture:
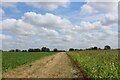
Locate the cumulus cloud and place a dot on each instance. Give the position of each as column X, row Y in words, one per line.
column 37, row 30
column 32, row 24
column 5, row 37
column 11, row 23
column 48, row 20
column 90, row 26
column 108, row 15
column 110, row 18
column 39, row 5
column 95, row 7
column 48, row 5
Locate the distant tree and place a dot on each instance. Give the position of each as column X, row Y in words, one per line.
column 44, row 49
column 92, row 48
column 95, row 48
column 99, row 48
column 30, row 50
column 34, row 50
column 71, row 49
column 76, row 49
column 47, row 49
column 55, row 50
column 17, row 50
column 11, row 50
column 37, row 50
column 107, row 47
column 63, row 50
column 24, row 50
column 86, row 49
column 81, row 50
column 118, row 49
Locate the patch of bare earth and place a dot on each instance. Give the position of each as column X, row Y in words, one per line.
column 55, row 66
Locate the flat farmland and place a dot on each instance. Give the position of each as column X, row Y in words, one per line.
column 55, row 66
column 11, row 60
column 97, row 63
column 92, row 64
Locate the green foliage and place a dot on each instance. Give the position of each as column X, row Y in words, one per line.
column 11, row 60
column 97, row 63
column 45, row 49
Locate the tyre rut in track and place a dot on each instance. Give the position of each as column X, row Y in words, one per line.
column 55, row 66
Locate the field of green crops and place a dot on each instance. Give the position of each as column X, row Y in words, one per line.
column 11, row 60
column 97, row 63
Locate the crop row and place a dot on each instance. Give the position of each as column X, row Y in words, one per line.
column 97, row 63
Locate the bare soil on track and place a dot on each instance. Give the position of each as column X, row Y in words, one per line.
column 55, row 66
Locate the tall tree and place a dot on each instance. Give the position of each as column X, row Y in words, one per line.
column 17, row 50
column 44, row 49
column 71, row 49
column 55, row 50
column 107, row 47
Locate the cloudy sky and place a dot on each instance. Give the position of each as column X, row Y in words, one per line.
column 59, row 25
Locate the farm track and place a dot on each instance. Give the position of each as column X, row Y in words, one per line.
column 55, row 66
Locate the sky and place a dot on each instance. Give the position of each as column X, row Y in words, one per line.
column 61, row 25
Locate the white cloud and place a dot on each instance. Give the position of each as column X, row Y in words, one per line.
column 9, row 4
column 36, row 24
column 102, row 0
column 1, row 12
column 110, row 18
column 107, row 20
column 34, row 1
column 99, row 7
column 89, row 26
column 11, row 23
column 47, row 32
column 37, row 30
column 5, row 37
column 48, row 5
column 48, row 20
column 86, row 9
column 85, row 26
column 40, row 5
column 22, row 28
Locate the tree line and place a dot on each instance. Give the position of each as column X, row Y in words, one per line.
column 43, row 49
column 107, row 47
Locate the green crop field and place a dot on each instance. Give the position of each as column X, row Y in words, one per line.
column 11, row 60
column 97, row 63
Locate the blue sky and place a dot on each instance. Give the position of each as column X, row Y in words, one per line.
column 75, row 6
column 33, row 25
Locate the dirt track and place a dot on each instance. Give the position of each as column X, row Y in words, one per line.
column 55, row 66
